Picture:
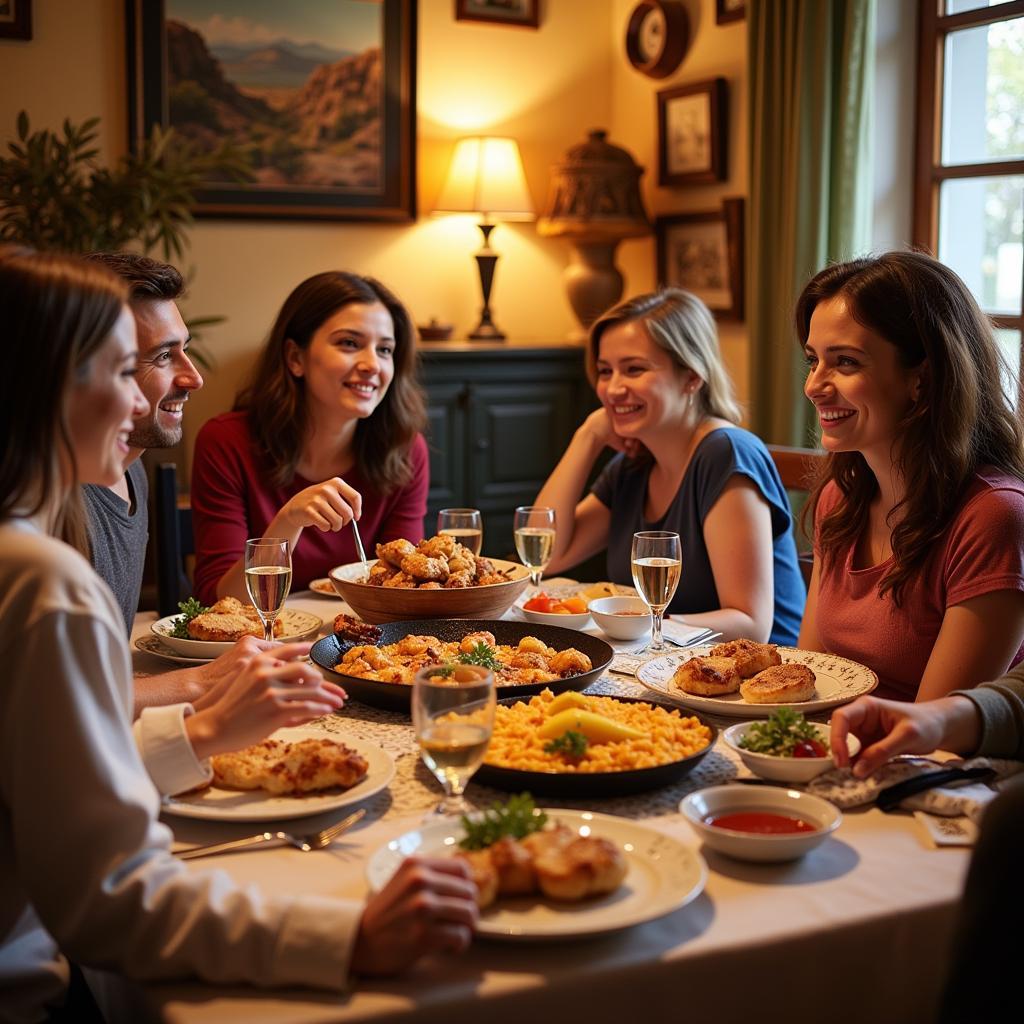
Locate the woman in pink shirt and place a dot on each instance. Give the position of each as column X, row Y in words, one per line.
column 919, row 515
column 327, row 430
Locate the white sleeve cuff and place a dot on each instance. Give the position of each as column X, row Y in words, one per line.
column 166, row 751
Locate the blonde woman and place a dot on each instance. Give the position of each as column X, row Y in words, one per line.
column 667, row 408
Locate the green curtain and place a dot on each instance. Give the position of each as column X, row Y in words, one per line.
column 811, row 84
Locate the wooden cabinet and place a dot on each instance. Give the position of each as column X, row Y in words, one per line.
column 500, row 417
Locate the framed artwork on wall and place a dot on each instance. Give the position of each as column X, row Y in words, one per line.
column 15, row 19
column 703, row 253
column 730, row 10
column 692, row 126
column 319, row 97
column 499, row 12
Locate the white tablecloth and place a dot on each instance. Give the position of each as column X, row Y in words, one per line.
column 858, row 930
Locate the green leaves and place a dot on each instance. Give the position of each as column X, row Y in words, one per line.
column 573, row 744
column 482, row 654
column 517, row 817
column 189, row 610
column 779, row 734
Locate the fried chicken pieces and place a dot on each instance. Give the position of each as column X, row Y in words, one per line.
column 438, row 563
column 305, row 766
column 229, row 620
column 753, row 669
column 557, row 863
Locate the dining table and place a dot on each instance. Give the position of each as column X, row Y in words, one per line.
column 859, row 929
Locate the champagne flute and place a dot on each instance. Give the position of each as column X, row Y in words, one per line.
column 453, row 717
column 657, row 562
column 268, row 578
column 466, row 525
column 534, row 531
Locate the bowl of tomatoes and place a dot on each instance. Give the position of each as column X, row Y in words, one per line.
column 570, row 612
column 785, row 747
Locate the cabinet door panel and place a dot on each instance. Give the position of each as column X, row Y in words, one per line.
column 446, row 440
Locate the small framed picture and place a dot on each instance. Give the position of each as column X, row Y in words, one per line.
column 692, row 124
column 703, row 253
column 730, row 10
column 15, row 19
column 499, row 12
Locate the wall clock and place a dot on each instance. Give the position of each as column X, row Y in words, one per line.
column 657, row 36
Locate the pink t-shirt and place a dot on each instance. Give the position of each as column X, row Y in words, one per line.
column 232, row 500
column 982, row 551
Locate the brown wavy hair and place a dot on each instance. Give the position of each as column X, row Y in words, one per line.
column 962, row 420
column 276, row 399
column 56, row 311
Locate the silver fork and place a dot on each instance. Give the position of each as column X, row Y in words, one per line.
column 313, row 841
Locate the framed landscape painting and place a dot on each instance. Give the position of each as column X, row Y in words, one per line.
column 703, row 253
column 692, row 123
column 317, row 95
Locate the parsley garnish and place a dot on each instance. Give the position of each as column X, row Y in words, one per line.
column 189, row 609
column 780, row 734
column 482, row 654
column 517, row 817
column 573, row 744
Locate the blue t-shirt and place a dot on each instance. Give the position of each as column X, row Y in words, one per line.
column 622, row 487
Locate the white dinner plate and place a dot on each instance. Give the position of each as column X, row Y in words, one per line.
column 298, row 625
column 155, row 646
column 837, row 681
column 216, row 804
column 664, row 875
column 324, row 588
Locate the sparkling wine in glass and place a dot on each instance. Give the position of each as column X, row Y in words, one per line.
column 453, row 717
column 466, row 525
column 657, row 562
column 534, row 531
column 268, row 578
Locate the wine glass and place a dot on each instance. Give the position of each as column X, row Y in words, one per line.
column 453, row 717
column 268, row 577
column 466, row 525
column 534, row 531
column 657, row 562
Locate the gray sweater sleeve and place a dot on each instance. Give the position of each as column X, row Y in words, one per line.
column 1001, row 706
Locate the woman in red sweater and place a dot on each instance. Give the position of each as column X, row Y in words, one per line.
column 327, row 430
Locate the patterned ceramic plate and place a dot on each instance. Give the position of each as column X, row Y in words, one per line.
column 298, row 625
column 837, row 680
column 324, row 587
column 153, row 645
column 664, row 875
column 216, row 804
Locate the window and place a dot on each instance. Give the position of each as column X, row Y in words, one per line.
column 969, row 174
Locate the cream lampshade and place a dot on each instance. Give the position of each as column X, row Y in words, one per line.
column 486, row 177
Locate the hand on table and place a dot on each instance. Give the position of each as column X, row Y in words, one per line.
column 887, row 728
column 429, row 906
column 328, row 506
column 268, row 690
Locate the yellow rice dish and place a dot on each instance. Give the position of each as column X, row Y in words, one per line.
column 665, row 736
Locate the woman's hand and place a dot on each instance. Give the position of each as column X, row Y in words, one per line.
column 888, row 727
column 266, row 692
column 224, row 669
column 328, row 506
column 429, row 906
column 599, row 426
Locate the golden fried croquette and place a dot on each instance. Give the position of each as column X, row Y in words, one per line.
column 528, row 659
column 400, row 581
column 458, row 581
column 483, row 873
column 470, row 640
column 531, row 643
column 414, row 645
column 780, row 684
column 372, row 656
column 301, row 767
column 423, row 569
column 441, row 546
column 229, row 620
column 586, row 866
column 570, row 662
column 380, row 573
column 750, row 656
column 707, row 677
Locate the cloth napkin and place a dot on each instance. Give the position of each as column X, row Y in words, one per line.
column 968, row 799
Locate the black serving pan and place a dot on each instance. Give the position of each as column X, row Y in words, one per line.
column 328, row 652
column 597, row 785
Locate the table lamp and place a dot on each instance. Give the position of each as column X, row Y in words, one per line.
column 486, row 177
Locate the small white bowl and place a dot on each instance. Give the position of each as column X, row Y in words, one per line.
column 785, row 769
column 717, row 800
column 622, row 627
column 567, row 620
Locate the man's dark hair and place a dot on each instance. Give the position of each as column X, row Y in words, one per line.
column 146, row 278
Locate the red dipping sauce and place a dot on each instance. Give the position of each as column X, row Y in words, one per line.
column 762, row 823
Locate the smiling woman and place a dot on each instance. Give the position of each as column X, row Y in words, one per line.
column 919, row 519
column 328, row 430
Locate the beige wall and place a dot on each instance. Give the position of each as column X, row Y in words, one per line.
column 546, row 88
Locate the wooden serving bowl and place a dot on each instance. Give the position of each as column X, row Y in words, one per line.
column 391, row 604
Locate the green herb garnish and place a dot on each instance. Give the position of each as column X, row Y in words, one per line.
column 780, row 734
column 573, row 744
column 189, row 610
column 444, row 671
column 517, row 817
column 482, row 654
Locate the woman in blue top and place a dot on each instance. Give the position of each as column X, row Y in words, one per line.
column 667, row 407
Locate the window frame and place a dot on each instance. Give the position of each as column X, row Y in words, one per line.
column 929, row 171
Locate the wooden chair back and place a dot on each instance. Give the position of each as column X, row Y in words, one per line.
column 798, row 469
column 174, row 540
